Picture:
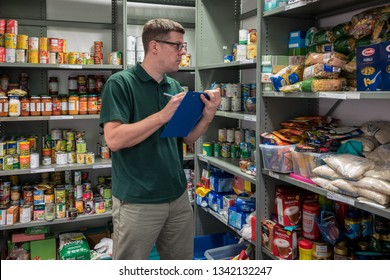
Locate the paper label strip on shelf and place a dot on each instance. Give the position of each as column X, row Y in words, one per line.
column 100, row 166
column 273, row 174
column 61, row 117
column 42, row 170
column 250, row 118
column 70, row 66
column 340, row 198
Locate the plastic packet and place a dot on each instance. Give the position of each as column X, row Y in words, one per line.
column 329, row 230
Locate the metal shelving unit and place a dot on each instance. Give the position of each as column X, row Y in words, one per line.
column 32, row 19
column 79, row 218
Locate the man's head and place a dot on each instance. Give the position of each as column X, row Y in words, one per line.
column 159, row 30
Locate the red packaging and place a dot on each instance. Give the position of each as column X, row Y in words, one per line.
column 2, row 54
column 2, row 26
column 288, row 205
column 98, row 58
column 54, row 45
column 11, row 26
column 285, row 243
column 98, row 47
column 310, row 213
column 340, row 209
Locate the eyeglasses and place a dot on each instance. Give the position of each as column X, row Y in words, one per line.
column 179, row 47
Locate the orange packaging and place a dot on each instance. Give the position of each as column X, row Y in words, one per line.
column 98, row 58
column 43, row 57
column 61, row 45
column 12, row 215
column 83, row 104
column 43, row 44
column 22, row 42
column 54, row 45
column 46, row 152
column 60, row 58
column 98, row 47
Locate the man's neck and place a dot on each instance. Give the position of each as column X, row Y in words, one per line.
column 152, row 70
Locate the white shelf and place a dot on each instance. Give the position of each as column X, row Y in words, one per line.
column 334, row 196
column 99, row 164
column 343, row 95
column 229, row 165
column 50, row 118
column 79, row 218
column 237, row 115
column 222, row 219
column 62, row 66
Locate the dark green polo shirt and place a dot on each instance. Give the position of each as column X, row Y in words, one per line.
column 151, row 171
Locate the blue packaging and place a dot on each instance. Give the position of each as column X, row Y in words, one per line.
column 245, row 204
column 368, row 68
column 385, row 61
column 236, row 218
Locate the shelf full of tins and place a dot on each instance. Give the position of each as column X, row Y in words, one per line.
column 276, row 107
column 234, row 124
column 44, row 24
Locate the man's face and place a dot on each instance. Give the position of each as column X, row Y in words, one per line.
column 171, row 51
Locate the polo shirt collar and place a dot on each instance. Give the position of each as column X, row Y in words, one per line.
column 145, row 77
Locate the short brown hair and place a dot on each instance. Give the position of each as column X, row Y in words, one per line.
column 158, row 29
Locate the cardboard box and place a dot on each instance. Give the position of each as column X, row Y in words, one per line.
column 288, row 205
column 12, row 215
column 22, row 237
column 368, row 68
column 385, row 59
column 267, row 234
column 45, row 249
column 285, row 243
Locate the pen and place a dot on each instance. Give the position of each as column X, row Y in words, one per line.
column 167, row 94
column 212, row 85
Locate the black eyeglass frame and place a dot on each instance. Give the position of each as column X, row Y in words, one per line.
column 179, row 46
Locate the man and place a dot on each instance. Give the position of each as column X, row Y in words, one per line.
column 150, row 202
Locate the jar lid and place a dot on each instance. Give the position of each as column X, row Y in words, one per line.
column 3, row 97
column 93, row 95
column 305, row 244
column 341, row 250
column 13, row 96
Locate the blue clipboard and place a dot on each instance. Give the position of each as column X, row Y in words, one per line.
column 186, row 115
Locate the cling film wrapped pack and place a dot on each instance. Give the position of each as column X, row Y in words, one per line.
column 287, row 76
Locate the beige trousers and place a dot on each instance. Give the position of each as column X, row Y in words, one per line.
column 137, row 227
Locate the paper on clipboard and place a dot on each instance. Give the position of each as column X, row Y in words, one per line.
column 186, row 116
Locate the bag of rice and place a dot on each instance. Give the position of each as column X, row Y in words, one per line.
column 377, row 197
column 380, row 172
column 349, row 166
column 73, row 246
column 374, row 184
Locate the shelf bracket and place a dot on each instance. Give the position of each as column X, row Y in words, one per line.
column 335, row 105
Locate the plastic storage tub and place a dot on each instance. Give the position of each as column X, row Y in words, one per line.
column 305, row 162
column 206, row 242
column 277, row 158
column 225, row 252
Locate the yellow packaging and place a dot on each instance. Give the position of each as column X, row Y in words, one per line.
column 22, row 42
column 32, row 56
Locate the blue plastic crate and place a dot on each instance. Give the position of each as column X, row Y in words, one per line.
column 206, row 242
column 225, row 252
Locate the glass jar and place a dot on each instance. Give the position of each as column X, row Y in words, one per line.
column 352, row 222
column 3, row 106
column 91, row 84
column 64, row 104
column 99, row 103
column 35, row 106
column 92, row 104
column 47, row 105
column 14, row 106
column 24, row 82
column 53, row 85
column 73, row 104
column 24, row 106
column 4, row 82
column 340, row 252
column 81, row 84
column 56, row 109
column 99, row 83
column 72, row 84
column 83, row 104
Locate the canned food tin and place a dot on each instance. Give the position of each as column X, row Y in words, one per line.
column 90, row 158
column 39, row 196
column 28, row 194
column 59, row 195
column 234, row 151
column 108, row 203
column 11, row 26
column 87, row 195
column 8, row 162
column 89, row 207
column 3, row 215
column 1, row 163
column 217, row 149
column 43, row 44
column 33, row 43
column 104, row 152
column 81, row 146
column 5, row 192
column 60, row 210
column 3, row 149
column 236, row 105
column 10, row 40
column 99, row 206
column 39, row 212
column 25, row 213
column 225, row 149
column 15, row 193
column 61, row 158
column 230, row 135
column 15, row 161
column 107, row 192
column 11, row 147
column 71, row 213
column 32, row 56
column 207, row 149
column 244, row 150
column 50, row 211
column 77, row 177
column 20, row 56
column 24, row 162
column 72, row 157
column 81, row 158
column 79, row 205
column 43, row 57
column 22, row 42
column 222, row 134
